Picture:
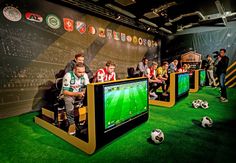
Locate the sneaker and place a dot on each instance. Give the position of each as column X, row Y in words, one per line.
column 153, row 94
column 72, row 130
column 224, row 100
column 165, row 94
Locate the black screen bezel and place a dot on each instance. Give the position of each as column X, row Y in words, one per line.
column 104, row 136
column 177, row 88
column 200, row 78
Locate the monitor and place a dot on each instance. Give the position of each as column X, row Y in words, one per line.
column 123, row 102
column 182, row 84
column 119, row 107
column 202, row 77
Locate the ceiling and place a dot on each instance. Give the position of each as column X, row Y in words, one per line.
column 160, row 16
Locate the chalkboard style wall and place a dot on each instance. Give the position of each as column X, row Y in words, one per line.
column 38, row 38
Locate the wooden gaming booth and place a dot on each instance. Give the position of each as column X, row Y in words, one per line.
column 194, row 60
column 112, row 109
column 197, row 80
column 179, row 87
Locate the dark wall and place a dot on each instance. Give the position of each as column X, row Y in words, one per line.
column 32, row 52
column 205, row 40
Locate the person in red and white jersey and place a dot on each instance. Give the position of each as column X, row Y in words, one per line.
column 106, row 74
column 154, row 82
column 184, row 68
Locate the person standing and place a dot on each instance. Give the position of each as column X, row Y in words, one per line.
column 222, row 67
column 210, row 68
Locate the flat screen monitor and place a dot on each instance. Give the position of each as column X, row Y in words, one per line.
column 202, row 77
column 123, row 102
column 119, row 107
column 183, row 84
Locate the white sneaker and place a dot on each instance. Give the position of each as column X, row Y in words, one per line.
column 153, row 94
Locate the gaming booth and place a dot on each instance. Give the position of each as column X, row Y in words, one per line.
column 197, row 76
column 179, row 87
column 113, row 108
column 197, row 80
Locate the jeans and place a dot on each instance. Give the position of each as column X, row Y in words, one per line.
column 70, row 111
column 211, row 78
column 222, row 85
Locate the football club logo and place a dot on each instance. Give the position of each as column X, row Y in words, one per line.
column 68, row 24
column 153, row 43
column 34, row 17
column 149, row 43
column 101, row 32
column 116, row 35
column 135, row 39
column 12, row 13
column 140, row 41
column 129, row 38
column 109, row 33
column 53, row 21
column 81, row 27
column 92, row 30
column 123, row 37
column 145, row 42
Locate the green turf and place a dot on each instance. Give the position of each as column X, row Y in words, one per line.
column 131, row 99
column 22, row 140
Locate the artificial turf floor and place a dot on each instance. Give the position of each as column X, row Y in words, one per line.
column 21, row 140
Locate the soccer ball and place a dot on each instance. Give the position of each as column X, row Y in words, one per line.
column 157, row 136
column 206, row 122
column 195, row 104
column 199, row 101
column 204, row 105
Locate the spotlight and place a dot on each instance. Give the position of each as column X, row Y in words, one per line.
column 148, row 28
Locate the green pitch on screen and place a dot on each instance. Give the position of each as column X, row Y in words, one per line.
column 202, row 77
column 124, row 101
column 183, row 83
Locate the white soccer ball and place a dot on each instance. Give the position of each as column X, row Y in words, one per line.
column 204, row 105
column 195, row 104
column 157, row 136
column 199, row 101
column 206, row 122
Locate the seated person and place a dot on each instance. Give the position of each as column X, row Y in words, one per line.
column 79, row 58
column 142, row 67
column 72, row 89
column 153, row 81
column 131, row 73
column 163, row 76
column 184, row 68
column 106, row 74
column 173, row 66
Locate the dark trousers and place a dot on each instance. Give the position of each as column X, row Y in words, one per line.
column 222, row 85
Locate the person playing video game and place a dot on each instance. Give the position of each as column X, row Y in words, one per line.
column 154, row 83
column 73, row 86
column 163, row 76
column 106, row 74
